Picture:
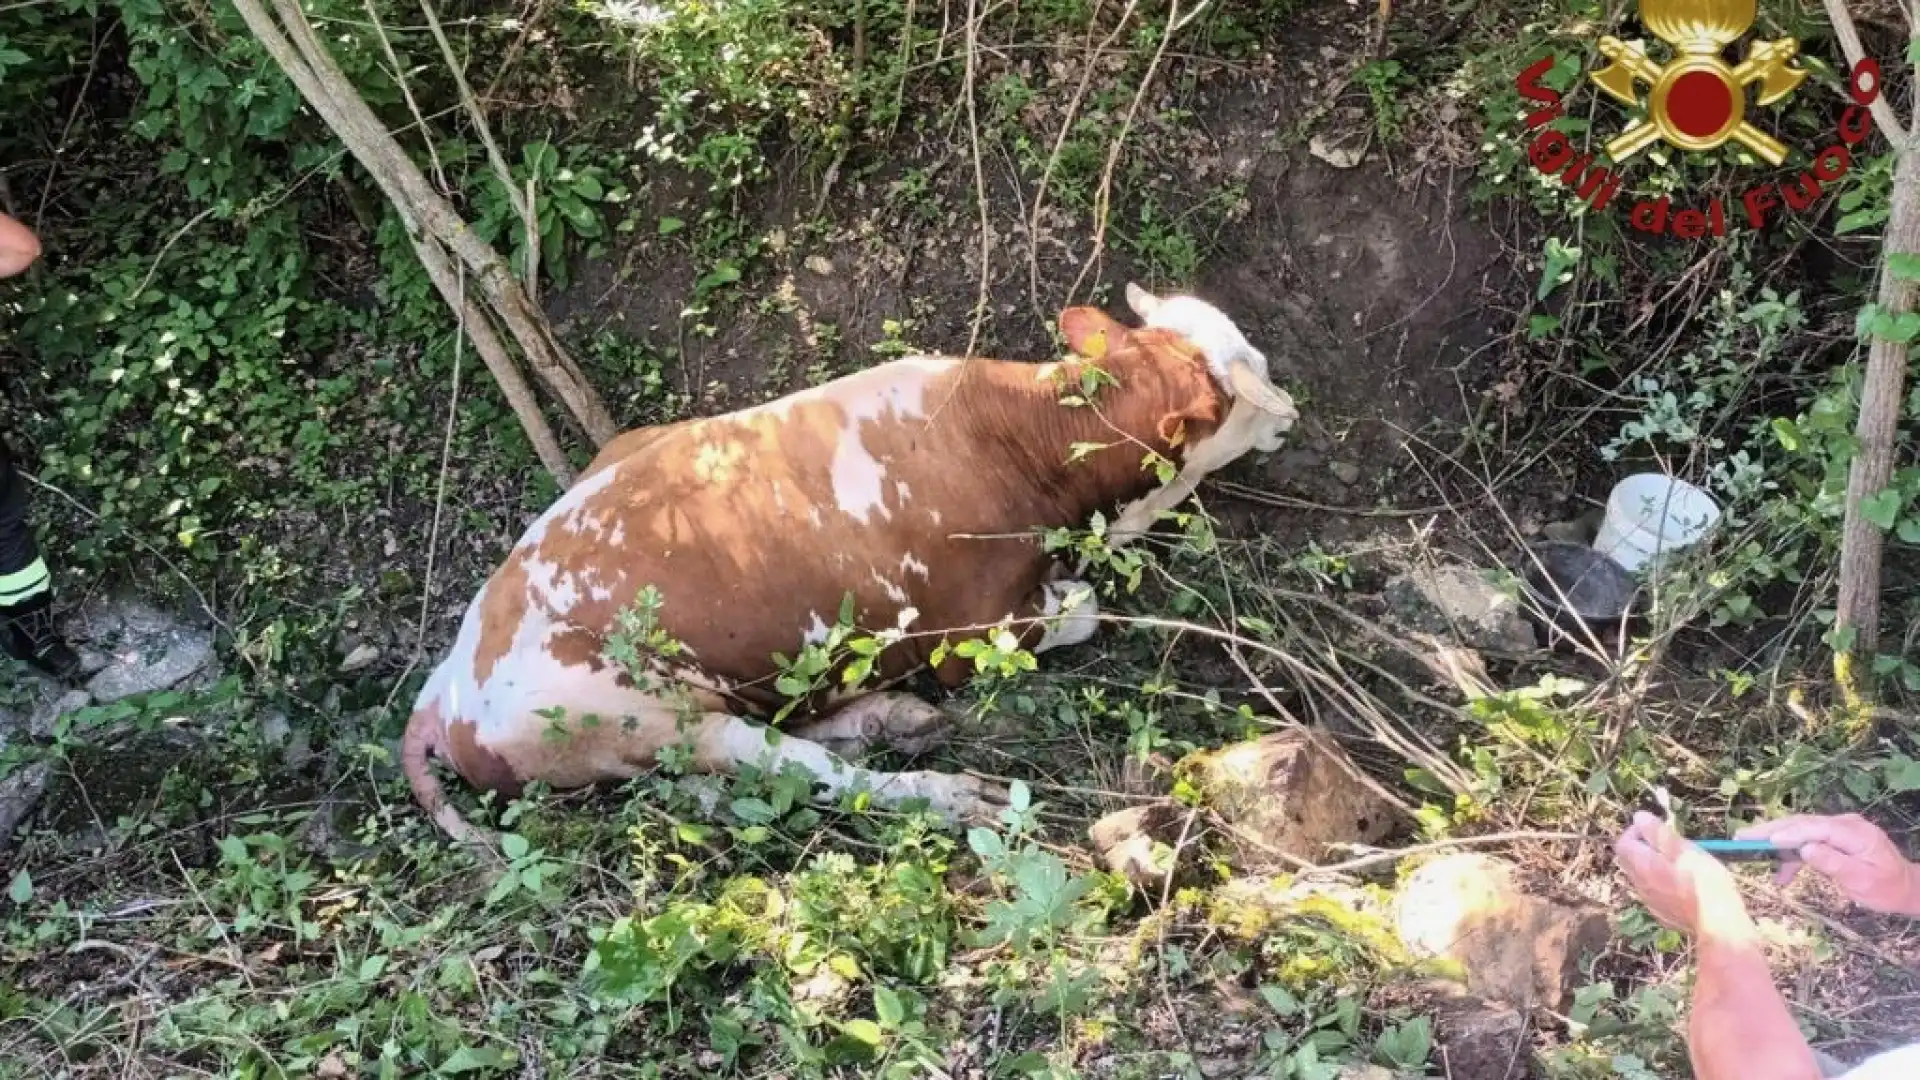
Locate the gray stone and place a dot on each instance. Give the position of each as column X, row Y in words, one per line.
column 361, row 656
column 1135, row 842
column 1580, row 530
column 1459, row 600
column 1292, row 793
column 46, row 701
column 20, row 792
column 1344, row 471
column 1469, row 912
column 148, row 650
column 278, row 733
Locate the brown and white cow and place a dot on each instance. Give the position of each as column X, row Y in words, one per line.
column 918, row 486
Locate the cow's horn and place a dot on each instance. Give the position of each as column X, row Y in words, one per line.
column 1264, row 395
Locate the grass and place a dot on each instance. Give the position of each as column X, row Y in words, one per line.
column 255, row 412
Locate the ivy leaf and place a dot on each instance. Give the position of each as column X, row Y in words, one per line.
column 1903, row 264
column 21, row 890
column 887, row 1006
column 1882, row 509
column 1909, row 530
column 865, row 1030
column 514, row 846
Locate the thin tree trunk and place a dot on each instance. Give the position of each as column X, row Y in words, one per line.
column 522, row 318
column 1861, row 543
column 1880, row 400
column 378, row 162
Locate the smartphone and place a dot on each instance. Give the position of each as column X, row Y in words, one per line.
column 1744, row 850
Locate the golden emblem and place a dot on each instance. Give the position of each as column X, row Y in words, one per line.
column 1697, row 101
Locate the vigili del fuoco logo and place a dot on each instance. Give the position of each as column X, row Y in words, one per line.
column 1695, row 101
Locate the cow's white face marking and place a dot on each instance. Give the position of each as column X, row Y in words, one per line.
column 1071, row 603
column 902, row 492
column 909, row 564
column 816, row 631
column 813, row 517
column 1222, row 343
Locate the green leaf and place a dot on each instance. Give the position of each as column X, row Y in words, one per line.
column 887, row 1006
column 865, row 1030
column 1882, row 509
column 1280, row 1000
column 1903, row 264
column 1859, row 219
column 1788, row 433
column 21, row 890
column 471, row 1059
column 514, row 846
column 985, row 843
column 1913, row 50
column 1900, row 330
column 671, row 225
column 1909, row 531
column 587, row 186
column 234, row 849
column 754, row 811
column 1081, row 449
column 371, row 967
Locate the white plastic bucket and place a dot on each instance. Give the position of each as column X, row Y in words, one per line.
column 1650, row 514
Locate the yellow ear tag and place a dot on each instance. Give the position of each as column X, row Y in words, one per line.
column 1095, row 346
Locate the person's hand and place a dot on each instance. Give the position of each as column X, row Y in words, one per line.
column 1684, row 887
column 1851, row 851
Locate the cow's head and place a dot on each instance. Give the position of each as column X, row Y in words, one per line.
column 1262, row 413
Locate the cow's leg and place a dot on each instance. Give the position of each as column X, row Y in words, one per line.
column 723, row 743
column 1069, row 609
column 896, row 721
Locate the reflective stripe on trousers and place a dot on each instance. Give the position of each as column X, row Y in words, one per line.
column 25, row 584
column 22, row 574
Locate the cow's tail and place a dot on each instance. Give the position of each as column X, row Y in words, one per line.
column 426, row 731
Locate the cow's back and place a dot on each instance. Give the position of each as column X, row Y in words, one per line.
column 752, row 527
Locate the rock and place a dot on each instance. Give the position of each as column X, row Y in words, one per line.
column 1127, row 839
column 361, row 656
column 20, row 792
column 1469, row 911
column 148, row 650
column 278, row 733
column 1457, row 599
column 1291, row 793
column 275, row 728
column 1344, row 471
column 1482, row 1040
column 1344, row 142
column 819, row 264
column 45, row 702
column 330, row 832
column 46, row 718
column 1366, row 1072
column 1580, row 530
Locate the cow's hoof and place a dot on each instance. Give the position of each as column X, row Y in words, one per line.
column 960, row 798
column 911, row 726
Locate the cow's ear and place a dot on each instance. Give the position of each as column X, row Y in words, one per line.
column 1090, row 332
